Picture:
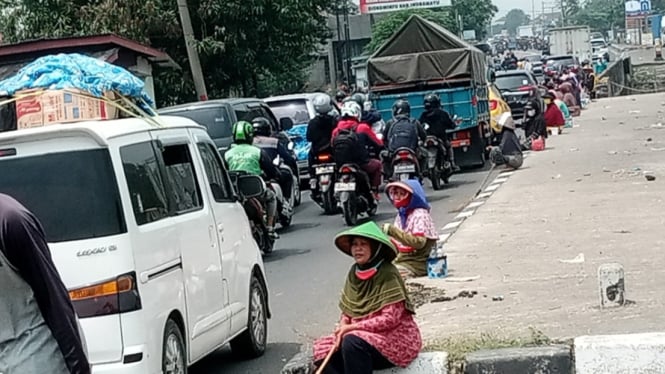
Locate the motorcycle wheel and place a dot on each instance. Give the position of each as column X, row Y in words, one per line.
column 349, row 210
column 296, row 193
column 435, row 177
column 329, row 204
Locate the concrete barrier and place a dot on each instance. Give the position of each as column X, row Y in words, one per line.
column 425, row 363
column 630, row 353
column 555, row 359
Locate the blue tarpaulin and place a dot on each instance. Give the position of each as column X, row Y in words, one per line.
column 301, row 146
column 77, row 71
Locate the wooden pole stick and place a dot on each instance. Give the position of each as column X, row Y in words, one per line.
column 327, row 359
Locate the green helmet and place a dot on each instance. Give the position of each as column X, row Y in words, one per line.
column 243, row 132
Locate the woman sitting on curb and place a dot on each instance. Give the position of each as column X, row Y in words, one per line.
column 509, row 151
column 413, row 232
column 377, row 329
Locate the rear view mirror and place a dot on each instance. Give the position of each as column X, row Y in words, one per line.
column 250, row 186
column 492, row 76
column 286, row 123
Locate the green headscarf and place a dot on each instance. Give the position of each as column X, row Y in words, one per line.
column 363, row 297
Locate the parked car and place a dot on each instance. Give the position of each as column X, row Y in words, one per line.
column 300, row 109
column 148, row 236
column 518, row 87
column 218, row 116
column 536, row 66
column 558, row 63
column 498, row 106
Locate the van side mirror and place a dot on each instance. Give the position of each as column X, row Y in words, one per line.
column 250, row 186
column 286, row 123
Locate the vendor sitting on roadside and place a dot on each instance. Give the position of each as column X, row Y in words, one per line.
column 376, row 330
column 558, row 96
column 413, row 232
column 509, row 151
column 553, row 117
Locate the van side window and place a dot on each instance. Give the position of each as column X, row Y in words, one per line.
column 221, row 190
column 183, row 188
column 144, row 182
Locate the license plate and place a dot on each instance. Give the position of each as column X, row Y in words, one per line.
column 341, row 187
column 405, row 168
column 325, row 170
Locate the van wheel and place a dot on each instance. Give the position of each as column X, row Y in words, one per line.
column 252, row 342
column 173, row 351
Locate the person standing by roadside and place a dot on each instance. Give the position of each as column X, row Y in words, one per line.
column 39, row 330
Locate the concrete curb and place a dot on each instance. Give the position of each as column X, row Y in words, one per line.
column 631, row 353
column 555, row 359
column 426, row 363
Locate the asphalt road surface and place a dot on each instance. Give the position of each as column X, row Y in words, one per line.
column 306, row 273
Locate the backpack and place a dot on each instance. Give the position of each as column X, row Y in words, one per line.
column 403, row 133
column 345, row 146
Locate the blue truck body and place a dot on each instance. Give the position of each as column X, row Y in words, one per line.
column 470, row 102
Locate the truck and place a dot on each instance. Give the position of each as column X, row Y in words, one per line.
column 571, row 40
column 422, row 57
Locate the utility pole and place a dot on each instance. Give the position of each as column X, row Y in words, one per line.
column 563, row 13
column 192, row 53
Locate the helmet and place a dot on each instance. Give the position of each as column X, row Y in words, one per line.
column 243, row 132
column 340, row 95
column 401, row 108
column 351, row 109
column 262, row 126
column 432, row 101
column 359, row 98
column 322, row 103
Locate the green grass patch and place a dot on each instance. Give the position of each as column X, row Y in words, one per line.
column 458, row 346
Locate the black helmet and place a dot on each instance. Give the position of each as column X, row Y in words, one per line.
column 401, row 108
column 340, row 95
column 432, row 101
column 359, row 98
column 262, row 126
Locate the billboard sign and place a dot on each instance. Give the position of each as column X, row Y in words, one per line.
column 382, row 6
column 637, row 7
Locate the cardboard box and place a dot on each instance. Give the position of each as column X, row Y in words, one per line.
column 61, row 106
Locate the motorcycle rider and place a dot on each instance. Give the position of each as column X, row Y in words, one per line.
column 274, row 148
column 350, row 141
column 403, row 132
column 243, row 156
column 319, row 133
column 439, row 121
column 369, row 116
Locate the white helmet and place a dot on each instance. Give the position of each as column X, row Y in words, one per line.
column 322, row 103
column 351, row 109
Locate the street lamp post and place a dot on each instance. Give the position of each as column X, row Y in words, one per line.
column 192, row 53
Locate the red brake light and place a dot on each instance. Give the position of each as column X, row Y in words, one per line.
column 462, row 135
column 494, row 104
column 525, row 88
column 346, row 169
column 324, row 157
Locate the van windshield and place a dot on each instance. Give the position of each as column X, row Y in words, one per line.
column 215, row 119
column 73, row 194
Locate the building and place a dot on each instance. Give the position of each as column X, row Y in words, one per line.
column 133, row 56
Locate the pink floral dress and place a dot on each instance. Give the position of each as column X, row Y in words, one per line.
column 391, row 330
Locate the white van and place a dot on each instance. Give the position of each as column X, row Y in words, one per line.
column 149, row 237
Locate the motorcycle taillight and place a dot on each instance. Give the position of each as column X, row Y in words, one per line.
column 346, row 170
column 326, row 157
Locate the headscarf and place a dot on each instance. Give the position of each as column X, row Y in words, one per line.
column 553, row 115
column 361, row 297
column 417, row 198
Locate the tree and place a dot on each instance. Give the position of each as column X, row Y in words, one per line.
column 241, row 42
column 570, row 9
column 476, row 15
column 385, row 27
column 514, row 19
column 602, row 15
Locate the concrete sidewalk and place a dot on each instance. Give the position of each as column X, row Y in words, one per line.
column 532, row 250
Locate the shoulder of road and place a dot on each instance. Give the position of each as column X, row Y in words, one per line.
column 524, row 288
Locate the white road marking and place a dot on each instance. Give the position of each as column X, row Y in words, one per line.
column 484, row 195
column 475, row 204
column 492, row 187
column 443, row 238
column 465, row 214
column 506, row 174
column 452, row 225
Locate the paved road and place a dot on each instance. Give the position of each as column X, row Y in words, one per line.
column 306, row 273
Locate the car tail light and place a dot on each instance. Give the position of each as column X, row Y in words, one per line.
column 324, row 157
column 494, row 104
column 114, row 296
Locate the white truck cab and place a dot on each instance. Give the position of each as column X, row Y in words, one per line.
column 149, row 237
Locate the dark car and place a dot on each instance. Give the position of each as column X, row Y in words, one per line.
column 518, row 87
column 556, row 64
column 218, row 116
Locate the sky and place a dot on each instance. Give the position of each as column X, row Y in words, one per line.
column 526, row 5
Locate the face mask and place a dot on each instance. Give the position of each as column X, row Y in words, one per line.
column 531, row 113
column 548, row 101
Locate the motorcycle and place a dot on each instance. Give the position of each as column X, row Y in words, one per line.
column 250, row 188
column 285, row 210
column 325, row 171
column 296, row 196
column 405, row 165
column 438, row 166
column 353, row 193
